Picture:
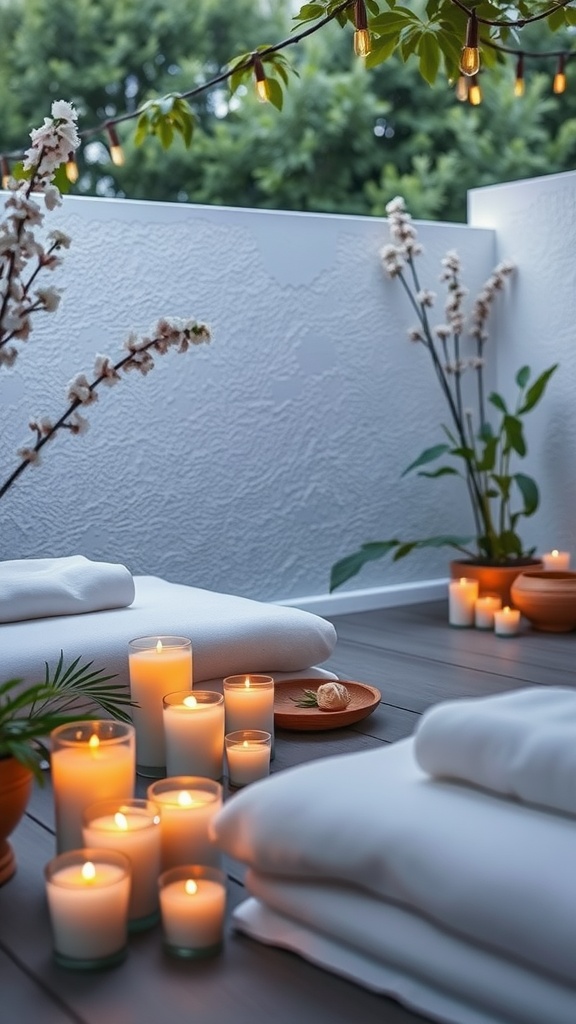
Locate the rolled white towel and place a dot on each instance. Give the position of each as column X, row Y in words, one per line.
column 519, row 744
column 32, row 588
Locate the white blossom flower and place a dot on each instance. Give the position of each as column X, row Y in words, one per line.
column 52, row 197
column 425, row 297
column 43, row 425
column 77, row 424
column 29, row 455
column 104, row 368
column 60, row 239
column 49, row 297
column 79, row 390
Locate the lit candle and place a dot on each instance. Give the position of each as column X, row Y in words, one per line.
column 90, row 761
column 248, row 756
column 507, row 622
column 133, row 828
column 462, row 595
column 194, row 733
column 158, row 665
column 484, row 611
column 88, row 892
column 556, row 561
column 249, row 703
column 187, row 806
column 192, row 902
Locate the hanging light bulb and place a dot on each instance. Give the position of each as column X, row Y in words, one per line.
column 519, row 84
column 560, row 76
column 362, row 39
column 116, row 151
column 262, row 85
column 462, row 89
column 470, row 54
column 474, row 92
column 5, row 167
column 72, row 169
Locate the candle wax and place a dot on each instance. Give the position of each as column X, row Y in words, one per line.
column 89, row 916
column 193, row 920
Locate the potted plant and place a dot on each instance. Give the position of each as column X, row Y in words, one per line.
column 27, row 716
column 479, row 450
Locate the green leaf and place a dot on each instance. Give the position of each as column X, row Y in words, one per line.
column 381, row 50
column 428, row 455
column 429, row 53
column 393, row 21
column 503, row 483
column 498, row 401
column 514, row 433
column 523, row 376
column 509, row 544
column 529, row 490
column 536, row 391
column 486, row 463
column 443, row 471
column 275, row 93
column 351, row 564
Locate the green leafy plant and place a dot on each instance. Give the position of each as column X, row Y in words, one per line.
column 28, row 714
column 478, row 451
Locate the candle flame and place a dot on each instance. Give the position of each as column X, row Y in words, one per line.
column 121, row 821
column 184, row 799
column 245, row 743
column 247, row 683
column 462, row 579
column 88, row 871
column 159, row 647
column 93, row 742
column 190, row 887
column 555, row 553
column 190, row 702
column 506, row 610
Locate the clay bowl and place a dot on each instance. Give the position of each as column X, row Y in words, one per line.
column 546, row 599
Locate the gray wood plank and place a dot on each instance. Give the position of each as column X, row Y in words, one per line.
column 25, row 1002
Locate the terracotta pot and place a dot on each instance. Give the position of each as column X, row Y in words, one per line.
column 493, row 579
column 547, row 600
column 15, row 789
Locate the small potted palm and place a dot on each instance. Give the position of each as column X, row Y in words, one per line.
column 28, row 713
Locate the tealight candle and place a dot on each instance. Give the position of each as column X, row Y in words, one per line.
column 249, row 703
column 132, row 827
column 88, row 892
column 194, row 733
column 248, row 756
column 90, row 761
column 192, row 902
column 484, row 611
column 556, row 561
column 187, row 806
column 507, row 622
column 158, row 665
column 462, row 596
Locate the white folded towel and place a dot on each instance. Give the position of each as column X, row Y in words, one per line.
column 32, row 588
column 520, row 744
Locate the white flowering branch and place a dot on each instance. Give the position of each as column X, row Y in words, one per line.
column 23, row 257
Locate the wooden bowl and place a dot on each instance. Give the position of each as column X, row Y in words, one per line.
column 547, row 599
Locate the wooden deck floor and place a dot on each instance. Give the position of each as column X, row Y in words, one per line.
column 415, row 660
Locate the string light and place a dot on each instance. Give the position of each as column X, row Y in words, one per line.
column 519, row 84
column 474, row 92
column 72, row 169
column 116, row 151
column 5, row 168
column 470, row 55
column 262, row 85
column 362, row 38
column 462, row 89
column 559, row 84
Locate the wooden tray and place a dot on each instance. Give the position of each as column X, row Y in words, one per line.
column 287, row 716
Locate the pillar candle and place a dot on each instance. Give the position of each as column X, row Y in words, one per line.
column 249, row 703
column 193, row 902
column 88, row 892
column 462, row 595
column 248, row 756
column 556, row 561
column 507, row 622
column 194, row 733
column 132, row 827
column 484, row 611
column 158, row 665
column 187, row 806
column 90, row 761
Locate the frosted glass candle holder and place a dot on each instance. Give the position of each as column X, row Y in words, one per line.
column 194, row 733
column 90, row 761
column 247, row 755
column 88, row 891
column 131, row 827
column 193, row 904
column 158, row 665
column 249, row 703
column 187, row 806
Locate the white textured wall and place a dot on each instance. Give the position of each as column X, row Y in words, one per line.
column 250, row 465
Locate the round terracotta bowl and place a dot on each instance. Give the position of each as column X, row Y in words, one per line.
column 547, row 599
column 495, row 580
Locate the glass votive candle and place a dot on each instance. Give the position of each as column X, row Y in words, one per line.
column 507, row 622
column 484, row 611
column 462, row 595
column 193, row 904
column 187, row 804
column 90, row 761
column 88, row 892
column 249, row 703
column 131, row 827
column 194, row 733
column 158, row 665
column 247, row 755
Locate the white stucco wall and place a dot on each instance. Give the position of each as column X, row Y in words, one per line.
column 251, row 465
